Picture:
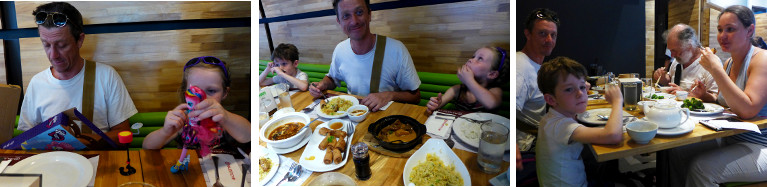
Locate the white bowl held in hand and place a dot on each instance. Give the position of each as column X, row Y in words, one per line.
column 357, row 116
column 642, row 131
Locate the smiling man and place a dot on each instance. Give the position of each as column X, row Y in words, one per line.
column 61, row 86
column 353, row 61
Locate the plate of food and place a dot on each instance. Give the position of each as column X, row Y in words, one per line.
column 435, row 164
column 592, row 116
column 469, row 132
column 327, row 147
column 59, row 168
column 658, row 96
column 698, row 107
column 336, row 106
column 268, row 163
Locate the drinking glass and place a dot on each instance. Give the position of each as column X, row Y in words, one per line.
column 647, row 86
column 284, row 96
column 492, row 144
column 630, row 95
column 263, row 118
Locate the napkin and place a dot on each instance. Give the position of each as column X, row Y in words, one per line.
column 285, row 163
column 387, row 106
column 229, row 170
column 438, row 127
column 730, row 123
column 502, row 180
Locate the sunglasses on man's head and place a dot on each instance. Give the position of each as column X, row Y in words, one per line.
column 58, row 19
column 208, row 60
column 542, row 15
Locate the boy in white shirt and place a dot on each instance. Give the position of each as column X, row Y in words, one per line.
column 285, row 65
column 560, row 137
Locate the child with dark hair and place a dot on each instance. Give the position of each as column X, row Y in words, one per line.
column 285, row 65
column 561, row 138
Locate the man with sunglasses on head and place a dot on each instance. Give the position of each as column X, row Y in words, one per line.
column 61, row 86
column 353, row 61
column 541, row 34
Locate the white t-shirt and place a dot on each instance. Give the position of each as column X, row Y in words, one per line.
column 530, row 103
column 695, row 70
column 47, row 96
column 397, row 70
column 300, row 75
column 557, row 159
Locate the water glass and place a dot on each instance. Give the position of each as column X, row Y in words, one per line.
column 492, row 145
column 284, row 96
column 630, row 95
column 647, row 86
column 263, row 117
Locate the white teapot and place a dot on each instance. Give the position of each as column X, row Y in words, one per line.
column 665, row 114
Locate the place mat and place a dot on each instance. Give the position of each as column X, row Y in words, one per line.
column 92, row 158
column 373, row 145
column 285, row 163
column 439, row 127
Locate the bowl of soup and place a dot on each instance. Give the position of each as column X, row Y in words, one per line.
column 397, row 132
column 286, row 130
column 357, row 113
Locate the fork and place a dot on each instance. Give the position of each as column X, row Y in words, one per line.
column 469, row 119
column 290, row 171
column 350, row 132
column 215, row 164
column 311, row 107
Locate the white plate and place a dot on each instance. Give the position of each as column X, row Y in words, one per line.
column 590, row 116
column 291, row 149
column 470, row 132
column 346, row 97
column 438, row 148
column 665, row 96
column 684, row 128
column 268, row 153
column 312, row 149
column 59, row 168
column 709, row 109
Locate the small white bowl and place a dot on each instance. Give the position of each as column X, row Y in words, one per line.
column 681, row 95
column 357, row 118
column 642, row 131
column 276, row 121
column 333, row 179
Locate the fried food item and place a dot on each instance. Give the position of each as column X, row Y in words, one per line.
column 340, row 144
column 324, row 131
column 337, row 157
column 328, row 156
column 338, row 133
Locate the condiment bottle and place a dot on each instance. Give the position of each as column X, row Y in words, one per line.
column 361, row 160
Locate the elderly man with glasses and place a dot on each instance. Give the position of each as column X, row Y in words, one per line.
column 63, row 85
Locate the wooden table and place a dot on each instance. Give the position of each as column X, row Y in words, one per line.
column 152, row 166
column 660, row 144
column 387, row 171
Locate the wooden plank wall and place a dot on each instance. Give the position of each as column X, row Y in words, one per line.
column 151, row 63
column 650, row 35
column 440, row 38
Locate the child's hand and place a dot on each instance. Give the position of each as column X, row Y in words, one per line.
column 175, row 119
column 210, row 108
column 278, row 70
column 434, row 103
column 613, row 94
column 465, row 74
column 269, row 67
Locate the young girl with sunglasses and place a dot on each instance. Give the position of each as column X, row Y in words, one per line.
column 211, row 75
column 481, row 77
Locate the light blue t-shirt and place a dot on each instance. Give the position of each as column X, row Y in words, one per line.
column 397, row 71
